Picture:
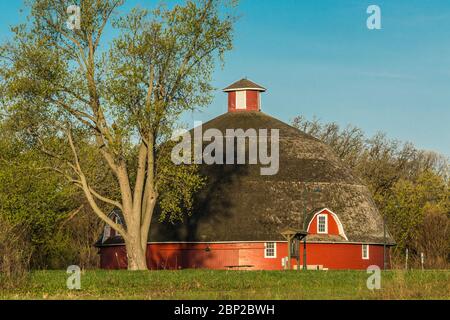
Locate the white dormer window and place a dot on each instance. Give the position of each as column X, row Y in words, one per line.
column 270, row 250
column 365, row 252
column 322, row 224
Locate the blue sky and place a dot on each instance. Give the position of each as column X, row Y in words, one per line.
column 317, row 58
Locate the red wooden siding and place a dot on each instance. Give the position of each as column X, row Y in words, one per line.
column 220, row 255
column 343, row 256
column 232, row 101
column 253, row 101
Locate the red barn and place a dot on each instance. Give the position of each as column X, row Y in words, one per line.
column 239, row 215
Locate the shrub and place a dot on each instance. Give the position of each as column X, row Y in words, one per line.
column 15, row 254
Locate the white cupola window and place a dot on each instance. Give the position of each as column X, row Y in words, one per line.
column 241, row 100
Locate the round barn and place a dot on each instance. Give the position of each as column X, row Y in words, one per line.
column 240, row 217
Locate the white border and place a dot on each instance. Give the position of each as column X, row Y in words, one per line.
column 245, row 89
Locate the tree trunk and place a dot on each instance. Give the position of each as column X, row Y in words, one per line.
column 137, row 260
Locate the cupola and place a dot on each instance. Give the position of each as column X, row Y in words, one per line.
column 244, row 95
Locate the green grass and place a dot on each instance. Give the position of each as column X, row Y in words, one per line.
column 225, row 285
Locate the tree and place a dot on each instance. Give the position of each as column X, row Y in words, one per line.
column 414, row 208
column 62, row 85
column 15, row 254
column 30, row 198
column 48, row 211
column 347, row 143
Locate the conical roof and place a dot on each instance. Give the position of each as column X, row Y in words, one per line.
column 244, row 84
column 239, row 204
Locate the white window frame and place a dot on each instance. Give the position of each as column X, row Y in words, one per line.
column 241, row 100
column 274, row 250
column 326, row 223
column 365, row 257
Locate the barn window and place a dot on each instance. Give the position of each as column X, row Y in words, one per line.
column 322, row 223
column 365, row 251
column 270, row 250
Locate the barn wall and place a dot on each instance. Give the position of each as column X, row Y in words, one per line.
column 343, row 256
column 232, row 101
column 253, row 101
column 114, row 257
column 219, row 256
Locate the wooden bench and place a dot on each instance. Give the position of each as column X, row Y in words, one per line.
column 239, row 267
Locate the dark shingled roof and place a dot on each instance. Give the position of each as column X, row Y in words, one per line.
column 238, row 204
column 244, row 84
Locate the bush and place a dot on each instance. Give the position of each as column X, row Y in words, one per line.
column 15, row 255
column 434, row 240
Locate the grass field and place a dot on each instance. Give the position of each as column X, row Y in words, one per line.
column 226, row 285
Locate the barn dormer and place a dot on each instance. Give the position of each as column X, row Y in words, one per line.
column 326, row 222
column 244, row 95
column 108, row 232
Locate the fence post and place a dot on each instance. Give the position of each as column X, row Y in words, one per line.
column 422, row 260
column 406, row 259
